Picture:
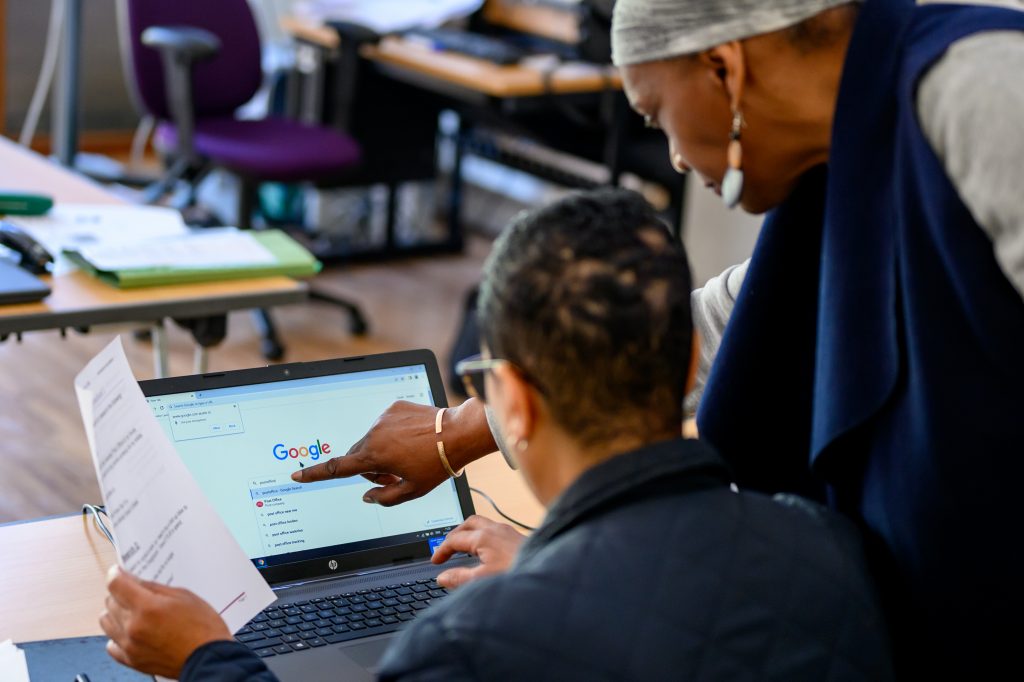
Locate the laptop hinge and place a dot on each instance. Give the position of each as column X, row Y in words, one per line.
column 351, row 574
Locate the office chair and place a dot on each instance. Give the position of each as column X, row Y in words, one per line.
column 190, row 64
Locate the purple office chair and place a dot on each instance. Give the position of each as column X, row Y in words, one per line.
column 191, row 64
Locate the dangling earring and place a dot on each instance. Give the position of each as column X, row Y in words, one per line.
column 732, row 183
column 677, row 164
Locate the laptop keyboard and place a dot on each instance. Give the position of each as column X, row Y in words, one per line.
column 301, row 625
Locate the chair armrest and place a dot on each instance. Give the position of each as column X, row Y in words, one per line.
column 182, row 41
column 180, row 47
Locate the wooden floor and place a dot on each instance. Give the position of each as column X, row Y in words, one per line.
column 45, row 467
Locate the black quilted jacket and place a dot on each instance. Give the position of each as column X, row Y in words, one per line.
column 649, row 568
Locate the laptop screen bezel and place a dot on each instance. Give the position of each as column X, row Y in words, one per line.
column 348, row 561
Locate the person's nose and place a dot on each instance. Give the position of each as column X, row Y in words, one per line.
column 676, row 159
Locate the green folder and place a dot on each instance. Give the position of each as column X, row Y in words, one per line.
column 293, row 260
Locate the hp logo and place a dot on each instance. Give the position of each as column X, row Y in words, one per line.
column 333, row 565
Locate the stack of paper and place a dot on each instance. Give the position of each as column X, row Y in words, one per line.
column 72, row 226
column 13, row 667
column 211, row 248
column 196, row 256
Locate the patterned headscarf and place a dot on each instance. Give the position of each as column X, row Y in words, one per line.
column 648, row 30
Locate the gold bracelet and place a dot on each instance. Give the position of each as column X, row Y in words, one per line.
column 440, row 444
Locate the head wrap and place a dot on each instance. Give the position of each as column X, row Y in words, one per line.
column 648, row 30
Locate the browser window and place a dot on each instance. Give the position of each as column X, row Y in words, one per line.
column 243, row 443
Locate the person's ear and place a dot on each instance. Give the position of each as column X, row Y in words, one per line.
column 727, row 66
column 515, row 402
column 691, row 376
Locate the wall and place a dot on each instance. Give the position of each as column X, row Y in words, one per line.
column 105, row 104
column 715, row 236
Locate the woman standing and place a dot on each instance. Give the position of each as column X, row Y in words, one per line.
column 876, row 341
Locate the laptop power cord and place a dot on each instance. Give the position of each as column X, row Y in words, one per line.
column 502, row 514
column 98, row 513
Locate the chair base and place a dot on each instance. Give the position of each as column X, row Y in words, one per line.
column 270, row 342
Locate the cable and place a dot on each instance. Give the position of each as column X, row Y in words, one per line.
column 35, row 109
column 140, row 141
column 502, row 514
column 95, row 510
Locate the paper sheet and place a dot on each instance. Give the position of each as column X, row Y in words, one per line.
column 210, row 248
column 387, row 16
column 72, row 226
column 164, row 528
column 13, row 666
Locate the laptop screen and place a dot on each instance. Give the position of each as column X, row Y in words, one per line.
column 242, row 444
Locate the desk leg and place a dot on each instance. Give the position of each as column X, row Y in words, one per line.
column 160, row 360
column 202, row 359
column 456, row 188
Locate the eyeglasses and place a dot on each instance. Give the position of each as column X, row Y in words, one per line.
column 472, row 370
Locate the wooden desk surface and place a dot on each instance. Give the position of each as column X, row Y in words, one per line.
column 489, row 78
column 79, row 299
column 480, row 75
column 554, row 23
column 52, row 571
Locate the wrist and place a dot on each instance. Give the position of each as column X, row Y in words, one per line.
column 210, row 651
column 466, row 435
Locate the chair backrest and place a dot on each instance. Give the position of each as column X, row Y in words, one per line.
column 222, row 83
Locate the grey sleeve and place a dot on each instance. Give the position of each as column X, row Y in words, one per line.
column 712, row 306
column 971, row 108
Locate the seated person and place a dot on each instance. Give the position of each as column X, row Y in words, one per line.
column 648, row 565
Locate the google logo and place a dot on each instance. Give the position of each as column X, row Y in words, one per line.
column 314, row 450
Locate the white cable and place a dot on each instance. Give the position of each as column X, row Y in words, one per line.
column 35, row 109
column 140, row 140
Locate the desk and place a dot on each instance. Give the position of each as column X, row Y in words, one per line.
column 487, row 78
column 54, row 569
column 553, row 23
column 492, row 99
column 79, row 300
column 414, row 60
column 352, row 85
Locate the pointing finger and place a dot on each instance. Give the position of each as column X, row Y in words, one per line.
column 336, row 467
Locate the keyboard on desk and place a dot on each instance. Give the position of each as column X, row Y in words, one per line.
column 472, row 44
column 301, row 625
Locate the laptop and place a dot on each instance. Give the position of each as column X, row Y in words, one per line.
column 347, row 574
column 18, row 286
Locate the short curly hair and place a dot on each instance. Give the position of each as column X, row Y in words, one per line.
column 590, row 297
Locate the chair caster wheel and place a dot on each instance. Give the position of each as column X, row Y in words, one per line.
column 358, row 326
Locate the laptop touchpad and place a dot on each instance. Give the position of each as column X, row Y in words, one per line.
column 367, row 654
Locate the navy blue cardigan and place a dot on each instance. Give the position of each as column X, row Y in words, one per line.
column 648, row 567
column 876, row 356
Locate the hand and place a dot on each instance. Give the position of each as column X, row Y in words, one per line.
column 154, row 628
column 399, row 453
column 494, row 544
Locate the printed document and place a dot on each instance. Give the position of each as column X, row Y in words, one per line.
column 224, row 247
column 164, row 528
column 74, row 226
column 13, row 666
